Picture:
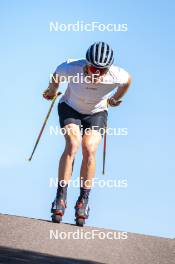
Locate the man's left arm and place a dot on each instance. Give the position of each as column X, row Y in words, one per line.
column 122, row 89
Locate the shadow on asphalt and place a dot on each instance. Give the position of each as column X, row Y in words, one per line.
column 18, row 256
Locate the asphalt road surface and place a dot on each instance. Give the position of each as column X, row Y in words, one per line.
column 26, row 240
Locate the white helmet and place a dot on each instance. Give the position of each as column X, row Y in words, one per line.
column 100, row 55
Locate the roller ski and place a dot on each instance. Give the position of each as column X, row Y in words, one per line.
column 81, row 211
column 58, row 208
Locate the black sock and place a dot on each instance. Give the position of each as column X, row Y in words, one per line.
column 84, row 193
column 62, row 191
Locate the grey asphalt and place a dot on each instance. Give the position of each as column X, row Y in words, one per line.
column 26, row 240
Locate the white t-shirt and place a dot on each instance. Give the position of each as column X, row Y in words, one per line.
column 85, row 97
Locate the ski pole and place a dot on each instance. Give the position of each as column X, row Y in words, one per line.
column 104, row 147
column 44, row 124
column 104, row 151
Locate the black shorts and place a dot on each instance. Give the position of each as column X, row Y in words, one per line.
column 96, row 121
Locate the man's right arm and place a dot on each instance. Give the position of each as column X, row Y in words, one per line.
column 63, row 70
column 50, row 92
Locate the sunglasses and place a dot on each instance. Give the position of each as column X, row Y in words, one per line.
column 97, row 71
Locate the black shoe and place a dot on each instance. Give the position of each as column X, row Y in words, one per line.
column 58, row 208
column 81, row 211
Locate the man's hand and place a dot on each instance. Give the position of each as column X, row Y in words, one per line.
column 113, row 102
column 49, row 94
column 51, row 91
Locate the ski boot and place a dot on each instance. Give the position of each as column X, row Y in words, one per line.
column 58, row 209
column 81, row 211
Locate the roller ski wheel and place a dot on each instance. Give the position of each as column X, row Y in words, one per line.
column 81, row 211
column 80, row 221
column 56, row 218
column 58, row 209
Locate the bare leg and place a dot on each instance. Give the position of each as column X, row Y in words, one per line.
column 90, row 144
column 73, row 141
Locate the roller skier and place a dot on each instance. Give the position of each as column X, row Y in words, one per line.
column 83, row 115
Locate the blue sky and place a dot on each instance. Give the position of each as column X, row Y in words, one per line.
column 29, row 53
